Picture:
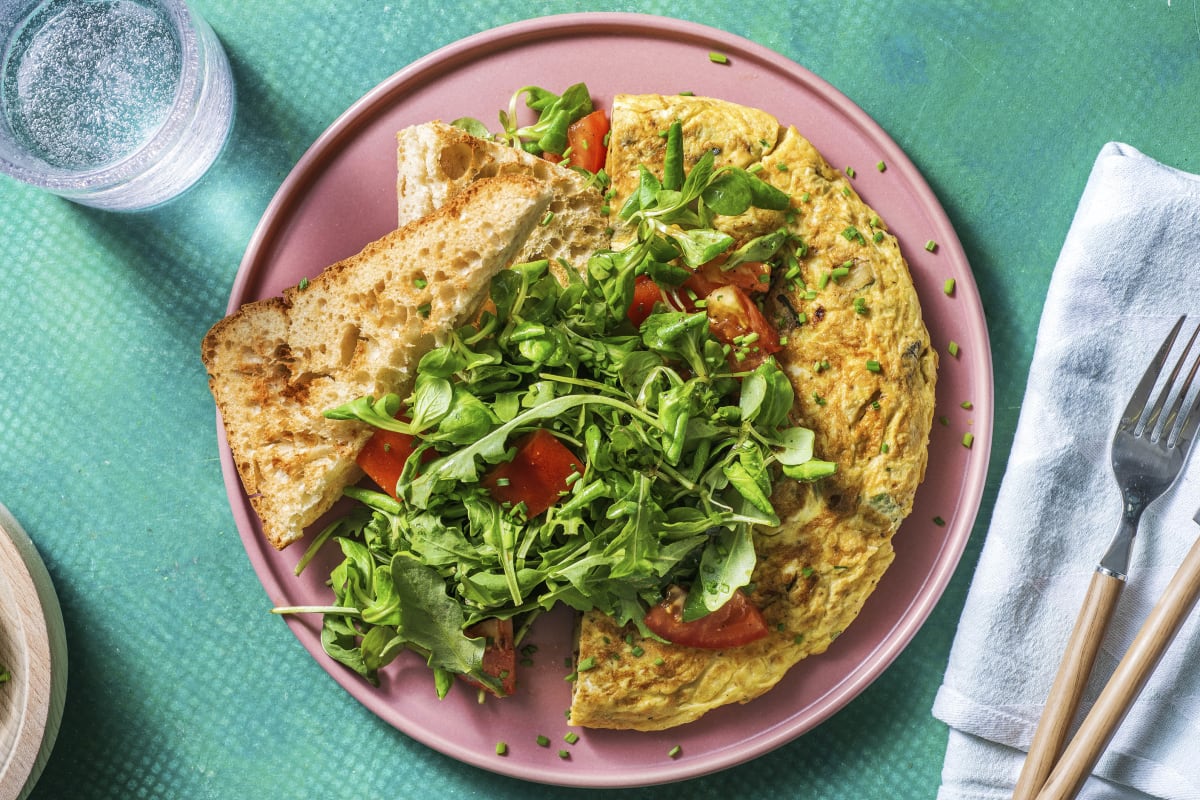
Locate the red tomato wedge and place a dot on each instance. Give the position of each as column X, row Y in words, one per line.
column 645, row 294
column 383, row 457
column 734, row 624
column 537, row 475
column 499, row 653
column 733, row 315
column 585, row 141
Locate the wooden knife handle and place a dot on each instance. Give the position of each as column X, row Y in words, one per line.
column 1127, row 681
column 1067, row 689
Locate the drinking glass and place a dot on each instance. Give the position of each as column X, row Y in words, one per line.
column 117, row 104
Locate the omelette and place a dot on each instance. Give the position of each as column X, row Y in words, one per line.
column 859, row 357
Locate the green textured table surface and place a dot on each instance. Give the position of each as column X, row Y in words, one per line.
column 180, row 685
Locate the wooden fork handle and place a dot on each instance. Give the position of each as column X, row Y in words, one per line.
column 1127, row 681
column 1067, row 689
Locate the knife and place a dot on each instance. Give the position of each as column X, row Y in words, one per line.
column 1128, row 680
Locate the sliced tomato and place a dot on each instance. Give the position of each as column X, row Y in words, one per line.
column 383, row 457
column 752, row 277
column 537, row 475
column 749, row 276
column 499, row 654
column 732, row 315
column 585, row 140
column 734, row 624
column 645, row 294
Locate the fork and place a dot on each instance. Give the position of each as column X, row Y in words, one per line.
column 1148, row 452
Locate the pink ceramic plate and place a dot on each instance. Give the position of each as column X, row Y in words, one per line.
column 342, row 195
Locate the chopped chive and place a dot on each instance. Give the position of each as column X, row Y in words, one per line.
column 885, row 448
column 637, row 651
column 782, row 166
column 948, row 287
column 563, row 754
column 303, row 284
column 502, row 481
column 931, row 245
column 968, row 440
column 804, row 198
column 501, row 749
column 967, row 404
column 546, row 219
column 798, row 638
column 543, row 741
column 807, row 572
column 878, row 237
column 420, row 283
column 586, row 663
column 823, row 281
column 571, row 737
column 882, row 167
column 675, row 752
column 850, row 173
column 944, row 420
column 424, row 309
column 718, row 58
column 658, row 662
column 939, row 521
column 873, row 366
column 952, row 348
column 860, row 305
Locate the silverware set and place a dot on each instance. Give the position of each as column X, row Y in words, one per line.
column 1149, row 449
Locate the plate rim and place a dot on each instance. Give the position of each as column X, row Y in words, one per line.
column 969, row 498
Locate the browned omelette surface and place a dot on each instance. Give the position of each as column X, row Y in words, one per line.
column 854, row 303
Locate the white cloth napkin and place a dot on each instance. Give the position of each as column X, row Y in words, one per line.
column 1129, row 267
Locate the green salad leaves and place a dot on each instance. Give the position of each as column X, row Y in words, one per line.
column 548, row 134
column 680, row 447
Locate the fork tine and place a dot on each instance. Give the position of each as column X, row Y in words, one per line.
column 1183, row 405
column 1137, row 403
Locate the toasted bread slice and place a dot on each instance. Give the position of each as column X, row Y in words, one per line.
column 357, row 329
column 436, row 161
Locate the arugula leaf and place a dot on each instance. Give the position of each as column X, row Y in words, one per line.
column 432, row 621
column 379, row 413
column 725, row 567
